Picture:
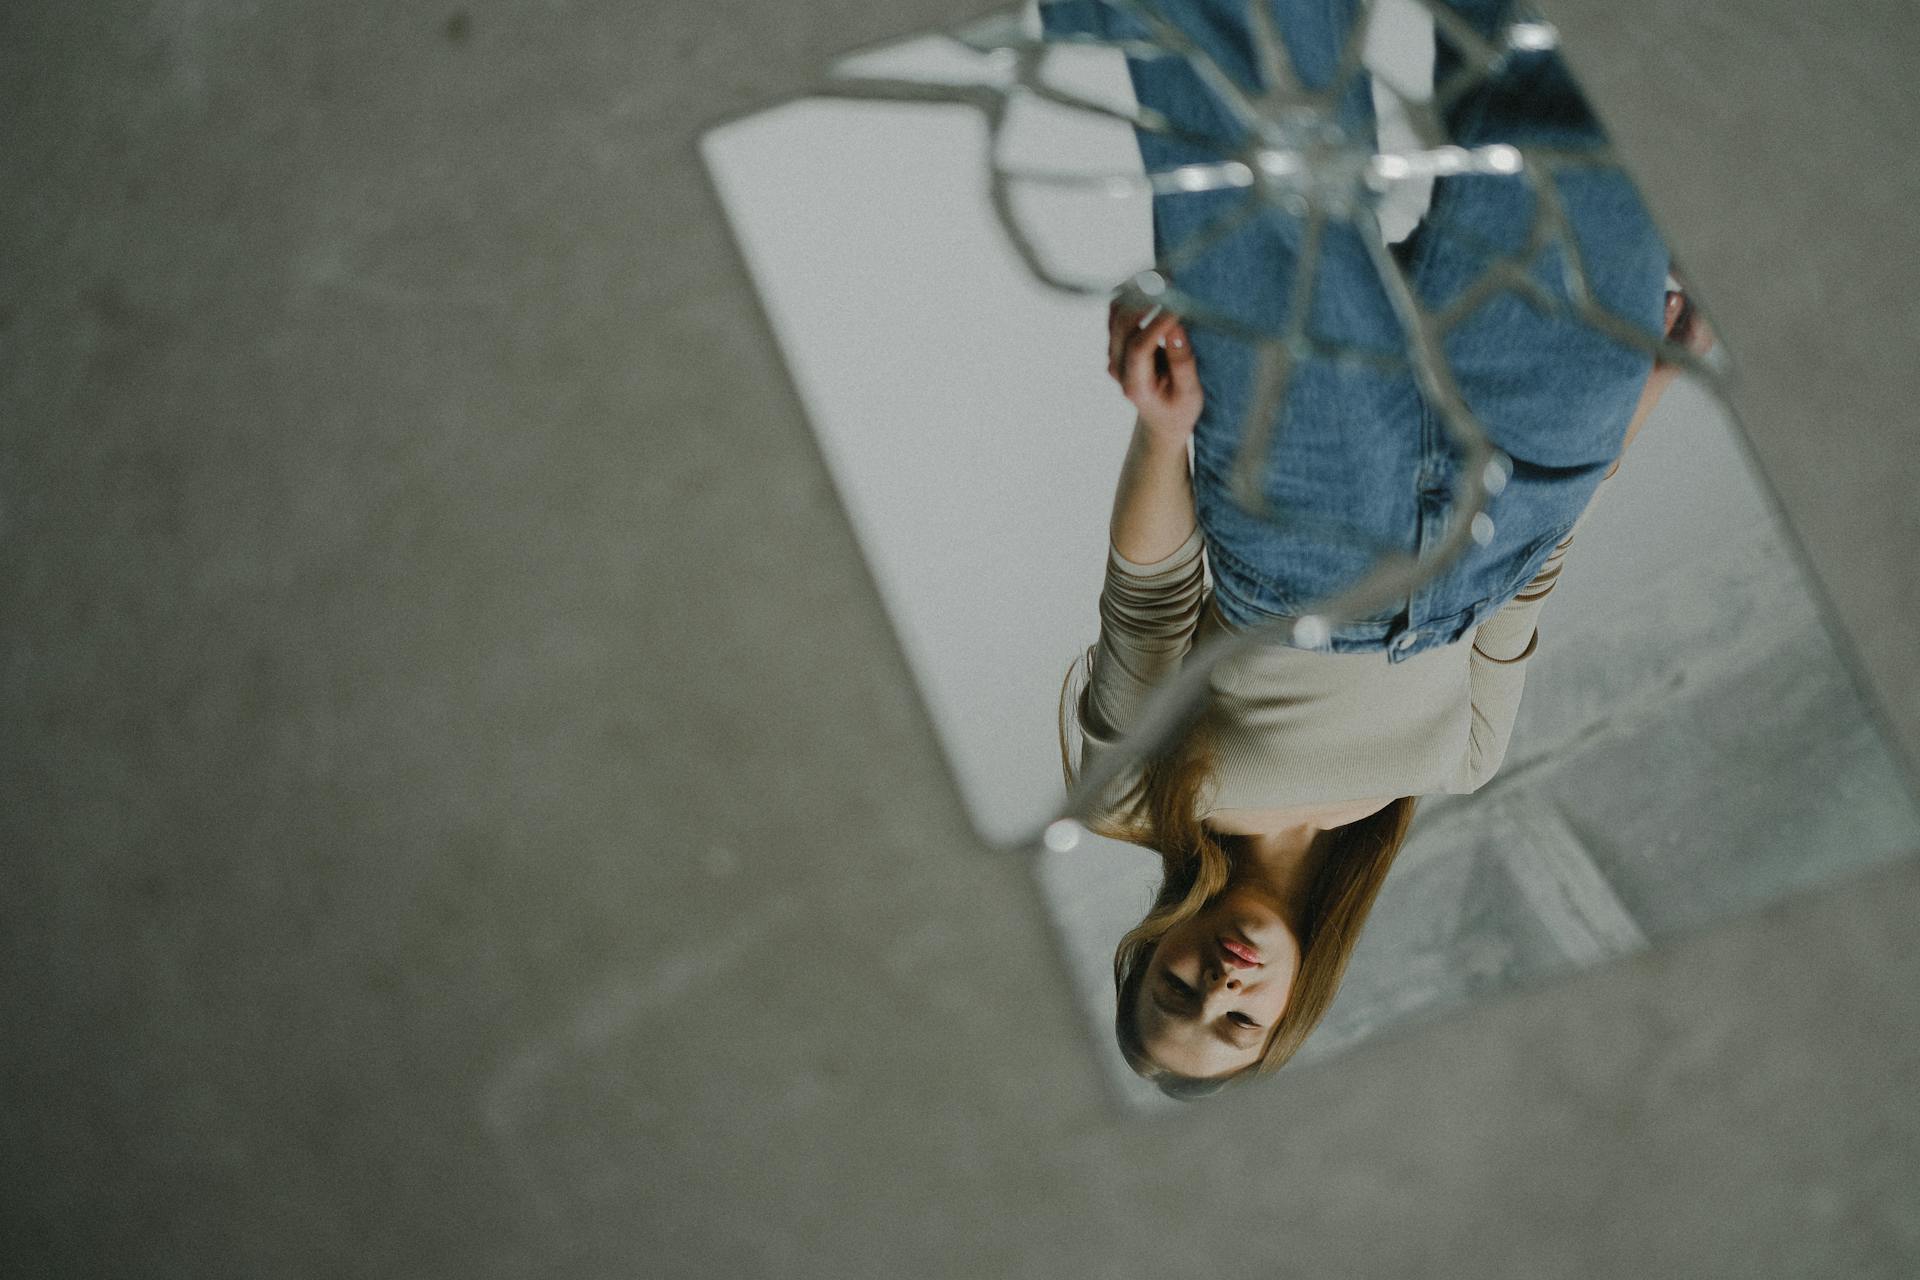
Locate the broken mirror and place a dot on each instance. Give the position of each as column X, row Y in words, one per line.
column 1302, row 482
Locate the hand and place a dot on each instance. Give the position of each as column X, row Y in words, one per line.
column 1155, row 369
column 1684, row 327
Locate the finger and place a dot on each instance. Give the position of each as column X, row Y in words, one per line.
column 1137, row 372
column 1154, row 326
column 1182, row 372
column 1700, row 336
column 1691, row 331
column 1148, row 331
column 1120, row 326
column 1676, row 304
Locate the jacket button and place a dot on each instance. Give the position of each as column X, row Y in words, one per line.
column 1405, row 640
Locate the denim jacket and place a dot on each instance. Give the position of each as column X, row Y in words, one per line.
column 1356, row 460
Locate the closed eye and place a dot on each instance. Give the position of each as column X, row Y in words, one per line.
column 1175, row 997
column 1183, row 998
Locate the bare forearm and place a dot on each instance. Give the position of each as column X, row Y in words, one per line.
column 1686, row 328
column 1153, row 503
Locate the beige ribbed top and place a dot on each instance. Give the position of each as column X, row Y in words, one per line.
column 1305, row 727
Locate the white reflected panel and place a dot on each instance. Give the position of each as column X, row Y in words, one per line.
column 975, row 454
column 963, row 408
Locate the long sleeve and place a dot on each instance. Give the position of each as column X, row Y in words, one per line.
column 1148, row 614
column 1501, row 647
column 1498, row 671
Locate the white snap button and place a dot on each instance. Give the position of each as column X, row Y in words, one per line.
column 1406, row 640
column 1062, row 836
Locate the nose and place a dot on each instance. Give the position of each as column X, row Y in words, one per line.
column 1221, row 978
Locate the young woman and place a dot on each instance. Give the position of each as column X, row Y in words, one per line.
column 1278, row 814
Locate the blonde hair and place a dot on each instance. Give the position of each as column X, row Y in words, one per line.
column 1160, row 811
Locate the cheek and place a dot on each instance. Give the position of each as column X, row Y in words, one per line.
column 1185, row 939
column 1273, row 997
column 1276, row 987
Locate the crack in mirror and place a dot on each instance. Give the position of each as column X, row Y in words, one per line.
column 1388, row 319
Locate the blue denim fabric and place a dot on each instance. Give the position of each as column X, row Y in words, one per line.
column 1359, row 462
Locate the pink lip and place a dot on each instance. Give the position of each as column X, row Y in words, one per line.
column 1239, row 954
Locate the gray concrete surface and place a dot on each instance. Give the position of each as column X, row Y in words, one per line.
column 463, row 814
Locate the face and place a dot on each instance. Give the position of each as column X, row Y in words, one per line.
column 1217, row 984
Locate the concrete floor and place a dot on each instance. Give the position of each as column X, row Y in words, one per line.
column 463, row 813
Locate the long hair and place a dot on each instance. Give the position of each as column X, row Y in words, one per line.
column 1161, row 811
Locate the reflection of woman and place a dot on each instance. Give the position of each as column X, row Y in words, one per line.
column 1278, row 815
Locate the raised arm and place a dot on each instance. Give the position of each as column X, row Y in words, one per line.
column 1153, row 503
column 1155, row 573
